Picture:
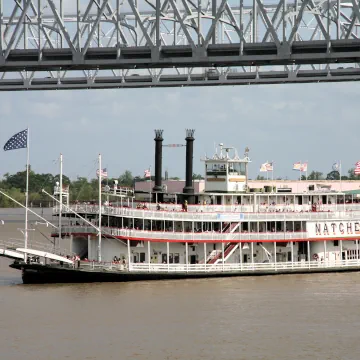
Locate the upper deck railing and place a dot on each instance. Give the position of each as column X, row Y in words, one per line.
column 246, row 208
column 188, row 236
column 349, row 211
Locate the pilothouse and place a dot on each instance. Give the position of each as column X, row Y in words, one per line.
column 226, row 171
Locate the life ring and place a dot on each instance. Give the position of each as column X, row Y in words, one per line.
column 315, row 256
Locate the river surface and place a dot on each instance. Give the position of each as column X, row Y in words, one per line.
column 292, row 317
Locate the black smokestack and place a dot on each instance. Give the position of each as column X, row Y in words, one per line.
column 158, row 159
column 189, row 189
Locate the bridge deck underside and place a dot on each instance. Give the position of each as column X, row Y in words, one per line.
column 59, row 44
column 222, row 55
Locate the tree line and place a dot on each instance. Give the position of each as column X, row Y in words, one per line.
column 318, row 175
column 81, row 189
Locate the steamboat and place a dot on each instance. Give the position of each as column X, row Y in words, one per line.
column 226, row 229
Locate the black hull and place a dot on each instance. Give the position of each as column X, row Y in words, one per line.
column 40, row 274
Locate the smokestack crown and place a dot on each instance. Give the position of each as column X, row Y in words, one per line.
column 190, row 134
column 158, row 134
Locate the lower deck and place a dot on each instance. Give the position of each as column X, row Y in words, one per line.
column 38, row 273
column 145, row 253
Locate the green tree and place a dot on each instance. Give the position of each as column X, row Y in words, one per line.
column 333, row 175
column 315, row 175
column 260, row 177
column 352, row 176
column 126, row 179
column 197, row 177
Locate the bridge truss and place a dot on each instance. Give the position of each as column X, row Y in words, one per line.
column 77, row 44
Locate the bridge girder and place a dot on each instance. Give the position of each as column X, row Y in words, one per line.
column 61, row 44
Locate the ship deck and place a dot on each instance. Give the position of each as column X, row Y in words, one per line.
column 55, row 273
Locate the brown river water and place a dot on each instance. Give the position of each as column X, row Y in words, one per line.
column 292, row 317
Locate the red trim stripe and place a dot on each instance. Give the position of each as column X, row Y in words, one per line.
column 218, row 241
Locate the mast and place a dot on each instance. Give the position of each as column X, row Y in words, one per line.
column 150, row 186
column 340, row 175
column 99, row 234
column 61, row 199
column 27, row 192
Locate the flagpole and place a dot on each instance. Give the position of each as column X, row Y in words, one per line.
column 27, row 190
column 150, row 185
column 61, row 200
column 99, row 235
column 340, row 176
column 272, row 175
column 300, row 170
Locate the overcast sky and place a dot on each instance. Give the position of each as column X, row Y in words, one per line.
column 284, row 123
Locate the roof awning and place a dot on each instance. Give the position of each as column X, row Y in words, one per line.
column 352, row 192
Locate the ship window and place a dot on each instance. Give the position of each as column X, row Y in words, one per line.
column 237, row 169
column 336, row 242
column 215, row 169
column 176, row 258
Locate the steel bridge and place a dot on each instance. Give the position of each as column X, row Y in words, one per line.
column 79, row 44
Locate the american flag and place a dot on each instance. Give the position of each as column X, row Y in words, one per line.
column 147, row 173
column 300, row 166
column 268, row 166
column 104, row 173
column 18, row 141
column 357, row 168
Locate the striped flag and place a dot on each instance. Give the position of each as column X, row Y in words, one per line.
column 103, row 173
column 299, row 166
column 357, row 168
column 265, row 167
column 270, row 166
column 147, row 173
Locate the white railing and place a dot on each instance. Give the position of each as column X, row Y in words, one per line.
column 241, row 267
column 217, row 267
column 260, row 207
column 36, row 245
column 186, row 236
column 209, row 216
